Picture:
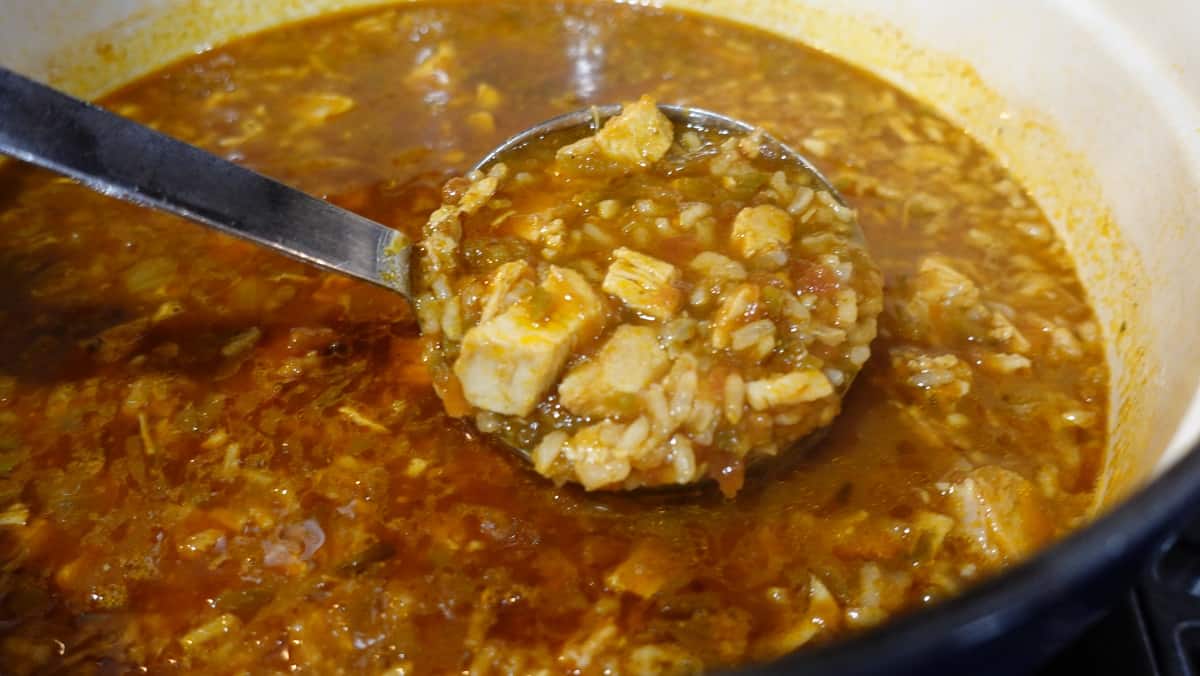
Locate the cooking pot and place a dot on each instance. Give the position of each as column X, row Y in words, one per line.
column 1094, row 105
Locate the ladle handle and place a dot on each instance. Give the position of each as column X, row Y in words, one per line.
column 123, row 159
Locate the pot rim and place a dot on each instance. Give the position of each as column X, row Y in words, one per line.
column 1029, row 589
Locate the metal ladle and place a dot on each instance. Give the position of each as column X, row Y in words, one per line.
column 121, row 158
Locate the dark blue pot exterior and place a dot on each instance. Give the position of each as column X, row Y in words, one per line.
column 1014, row 622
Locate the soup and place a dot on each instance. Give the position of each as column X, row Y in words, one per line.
column 216, row 459
column 728, row 334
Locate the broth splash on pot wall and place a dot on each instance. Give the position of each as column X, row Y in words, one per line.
column 217, row 459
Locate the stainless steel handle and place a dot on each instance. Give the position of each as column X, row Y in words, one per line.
column 123, row 159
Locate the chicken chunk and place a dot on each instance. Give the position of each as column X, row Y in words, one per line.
column 481, row 191
column 736, row 309
column 763, row 232
column 714, row 266
column 314, row 110
column 542, row 229
column 754, row 340
column 1000, row 513
column 930, row 530
column 1006, row 334
column 797, row 387
column 435, row 68
column 823, row 614
column 509, row 362
column 628, row 362
column 944, row 305
column 940, row 378
column 649, row 568
column 510, row 283
column 640, row 136
column 938, row 283
column 644, row 283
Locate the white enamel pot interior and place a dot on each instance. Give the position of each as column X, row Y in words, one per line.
column 1093, row 104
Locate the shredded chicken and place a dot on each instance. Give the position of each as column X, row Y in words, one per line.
column 607, row 384
column 763, row 232
column 638, row 137
column 644, row 283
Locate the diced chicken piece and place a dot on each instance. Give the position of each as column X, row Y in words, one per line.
column 314, row 109
column 793, row 388
column 482, row 122
column 762, row 231
column 479, row 193
column 487, row 96
column 540, row 228
column 643, row 283
column 640, row 136
column 578, row 298
column 754, row 340
column 434, row 68
column 649, row 568
column 628, row 362
column 944, row 305
column 608, row 208
column 1000, row 513
column 579, row 153
column 930, row 529
column 1064, row 345
column 735, row 310
column 584, row 649
column 937, row 283
column 509, row 362
column 692, row 214
column 822, row 605
column 1004, row 332
column 823, row 615
column 880, row 593
column 1005, row 363
column 510, row 283
column 751, row 146
column 714, row 266
column 442, row 234
column 867, row 608
column 942, row 377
